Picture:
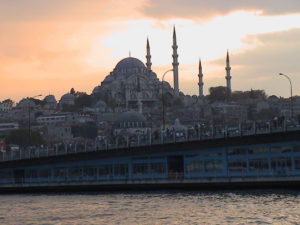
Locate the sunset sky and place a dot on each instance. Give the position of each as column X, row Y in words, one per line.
column 50, row 46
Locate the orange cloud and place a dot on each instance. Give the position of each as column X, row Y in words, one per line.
column 44, row 45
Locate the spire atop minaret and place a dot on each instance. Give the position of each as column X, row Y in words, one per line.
column 200, row 66
column 200, row 84
column 174, row 36
column 228, row 77
column 148, row 56
column 227, row 59
column 175, row 64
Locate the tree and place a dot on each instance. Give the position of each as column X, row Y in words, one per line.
column 257, row 94
column 72, row 91
column 82, row 99
column 87, row 130
column 37, row 101
column 266, row 114
column 252, row 94
column 21, row 137
column 217, row 94
column 8, row 101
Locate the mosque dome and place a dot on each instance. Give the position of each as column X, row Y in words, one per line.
column 97, row 89
column 24, row 103
column 50, row 99
column 101, row 104
column 130, row 119
column 67, row 99
column 108, row 79
column 130, row 63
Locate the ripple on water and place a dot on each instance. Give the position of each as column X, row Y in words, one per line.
column 243, row 207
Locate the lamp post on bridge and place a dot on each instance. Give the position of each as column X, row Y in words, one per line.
column 291, row 107
column 29, row 120
column 162, row 97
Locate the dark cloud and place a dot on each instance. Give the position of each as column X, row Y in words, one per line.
column 208, row 8
column 27, row 10
column 259, row 67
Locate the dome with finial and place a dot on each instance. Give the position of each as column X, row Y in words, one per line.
column 130, row 63
column 24, row 103
column 67, row 99
column 130, row 119
column 50, row 99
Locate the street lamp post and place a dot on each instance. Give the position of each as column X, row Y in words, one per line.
column 281, row 74
column 29, row 121
column 162, row 97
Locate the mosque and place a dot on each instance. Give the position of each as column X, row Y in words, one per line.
column 133, row 85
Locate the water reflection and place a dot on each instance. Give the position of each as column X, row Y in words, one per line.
column 221, row 207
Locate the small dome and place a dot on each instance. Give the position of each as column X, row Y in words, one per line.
column 108, row 79
column 131, row 116
column 50, row 99
column 67, row 97
column 24, row 103
column 101, row 104
column 129, row 63
column 97, row 89
column 273, row 98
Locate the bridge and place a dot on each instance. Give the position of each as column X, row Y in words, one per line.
column 238, row 159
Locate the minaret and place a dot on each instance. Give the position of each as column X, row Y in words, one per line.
column 228, row 77
column 200, row 75
column 175, row 64
column 148, row 57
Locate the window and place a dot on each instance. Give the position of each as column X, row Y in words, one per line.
column 89, row 171
column 121, row 169
column 45, row 173
column 281, row 149
column 237, row 166
column 5, row 175
column 194, row 166
column 158, row 168
column 258, row 150
column 237, row 151
column 213, row 166
column 74, row 172
column 60, row 172
column 297, row 148
column 297, row 163
column 212, row 154
column 31, row 174
column 105, row 170
column 140, row 168
column 281, row 164
column 258, row 165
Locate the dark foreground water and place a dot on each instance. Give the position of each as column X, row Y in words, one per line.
column 242, row 207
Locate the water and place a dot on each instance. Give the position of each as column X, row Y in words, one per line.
column 242, row 207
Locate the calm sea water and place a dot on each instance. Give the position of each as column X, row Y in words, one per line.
column 242, row 207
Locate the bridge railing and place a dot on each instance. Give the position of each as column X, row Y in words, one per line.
column 65, row 149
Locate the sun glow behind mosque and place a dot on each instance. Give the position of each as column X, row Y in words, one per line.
column 208, row 40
